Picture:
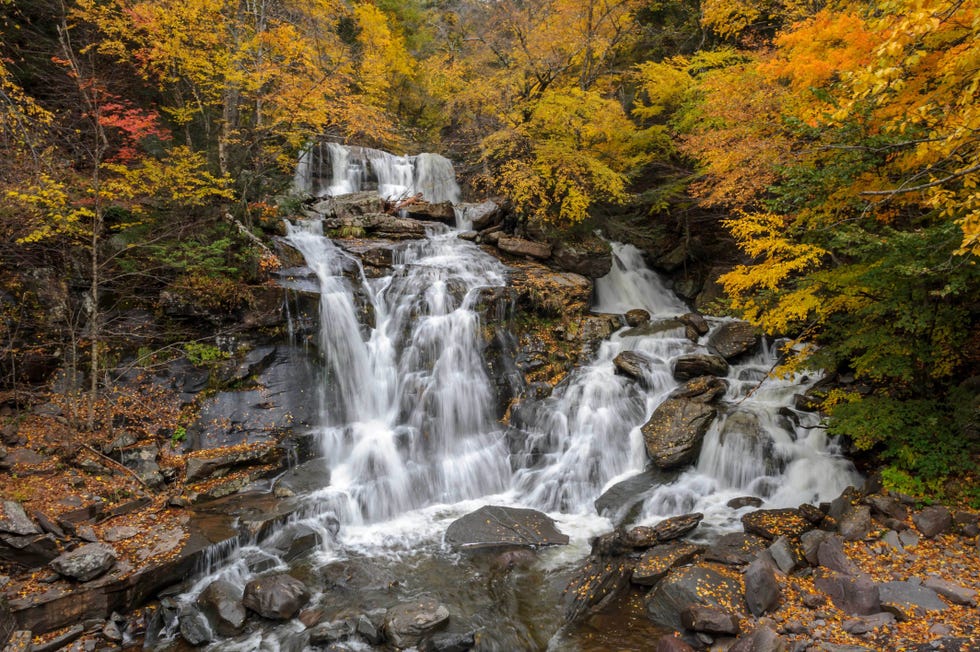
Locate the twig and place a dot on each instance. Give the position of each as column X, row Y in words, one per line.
column 248, row 234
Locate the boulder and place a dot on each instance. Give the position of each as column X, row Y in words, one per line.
column 142, row 460
column 632, row 364
column 774, row 523
column 29, row 551
column 617, row 502
column 697, row 324
column 831, row 555
column 762, row 592
column 761, row 639
column 859, row 626
column 14, row 520
column 709, row 620
column 521, row 247
column 449, row 642
column 735, row 548
column 691, row 585
column 636, row 317
column 933, row 521
column 855, row 525
column 887, row 506
column 675, row 431
column 672, row 644
column 494, row 525
column 676, row 526
column 278, row 597
column 221, row 602
column 332, row 632
column 853, row 594
column 694, row 365
column 407, row 623
column 592, row 257
column 955, row 593
column 786, row 555
column 422, row 210
column 744, row 501
column 350, row 205
column 909, row 599
column 221, row 462
column 658, row 561
column 706, row 389
column 733, row 339
column 194, row 627
column 85, row 562
column 597, row 581
column 483, row 215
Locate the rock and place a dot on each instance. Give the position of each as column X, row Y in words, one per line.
column 810, row 543
column 449, row 643
column 774, row 523
column 953, row 592
column 786, row 556
column 221, row 603
column 422, row 210
column 695, row 365
column 933, row 521
column 20, row 641
column 672, row 644
column 735, row 548
column 706, row 389
column 853, row 594
column 408, row 622
column 733, row 339
column 337, row 630
column 85, row 562
column 521, row 247
column 15, row 520
column 598, row 580
column 676, row 526
column 547, row 293
column 744, row 501
column 350, row 204
column 619, row 500
column 119, row 533
column 891, row 538
column 887, row 506
column 697, row 323
column 29, row 551
column 859, row 626
column 278, row 597
column 484, row 215
column 910, row 599
column 494, row 525
column 194, row 627
column 658, row 561
column 691, row 585
column 709, row 620
column 633, row 364
column 369, row 630
column 590, row 257
column 908, row 538
column 142, row 460
column 762, row 592
column 831, row 555
column 761, row 639
column 812, row 513
column 856, row 524
column 216, row 465
column 636, row 317
column 675, row 431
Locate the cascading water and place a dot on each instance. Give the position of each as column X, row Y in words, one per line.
column 410, row 439
column 352, row 169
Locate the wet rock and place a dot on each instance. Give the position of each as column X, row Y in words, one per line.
column 216, row 465
column 494, row 525
column 672, row 644
column 221, row 603
column 706, row 389
column 598, row 580
column 859, row 626
column 370, row 630
column 676, row 527
column 733, row 339
column 591, row 257
column 696, row 323
column 744, row 501
column 695, row 365
column 658, row 561
column 332, row 632
column 15, row 520
column 908, row 598
column 547, row 293
column 85, row 562
column 350, row 204
column 636, row 317
column 674, row 433
column 953, row 592
column 853, row 594
column 933, row 521
column 691, row 585
column 194, row 627
column 632, row 364
column 521, row 247
column 422, row 210
column 774, row 523
column 735, row 548
column 278, row 597
column 856, row 524
column 709, row 620
column 887, row 506
column 812, row 513
column 761, row 639
column 449, row 643
column 617, row 502
column 762, row 592
column 407, row 623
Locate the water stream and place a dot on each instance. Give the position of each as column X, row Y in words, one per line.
column 410, row 439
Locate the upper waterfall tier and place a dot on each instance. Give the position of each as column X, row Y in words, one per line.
column 330, row 169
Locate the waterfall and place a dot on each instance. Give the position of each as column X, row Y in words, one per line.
column 352, row 169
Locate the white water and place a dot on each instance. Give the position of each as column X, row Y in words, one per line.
column 330, row 169
column 410, row 435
